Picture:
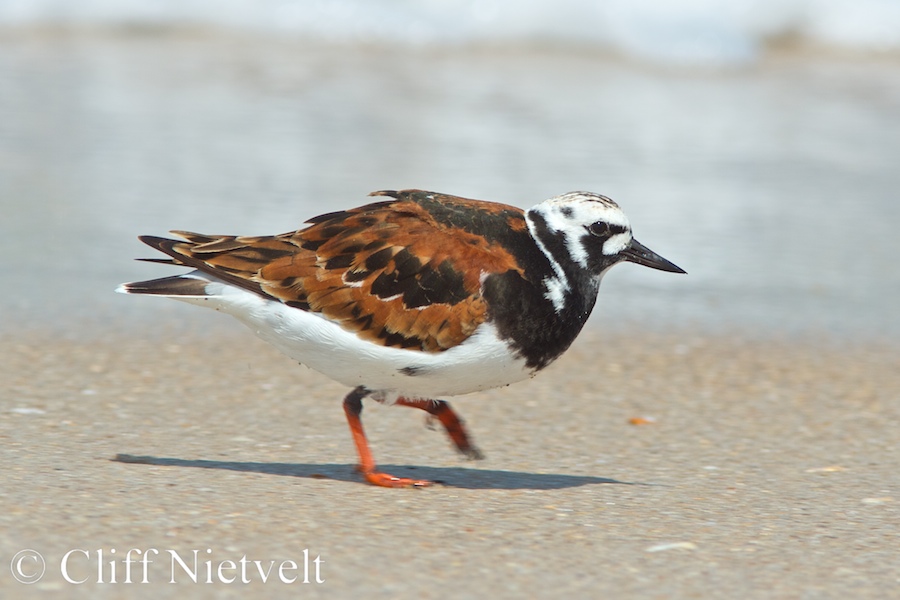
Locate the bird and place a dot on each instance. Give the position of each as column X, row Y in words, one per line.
column 413, row 296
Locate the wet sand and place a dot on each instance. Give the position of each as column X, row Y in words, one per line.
column 652, row 466
column 774, row 186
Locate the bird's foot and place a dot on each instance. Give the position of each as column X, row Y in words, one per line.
column 387, row 480
column 472, row 453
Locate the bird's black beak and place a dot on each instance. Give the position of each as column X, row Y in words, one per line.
column 642, row 255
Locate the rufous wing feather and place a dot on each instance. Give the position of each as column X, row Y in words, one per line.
column 389, row 271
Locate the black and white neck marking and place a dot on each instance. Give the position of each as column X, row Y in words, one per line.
column 573, row 240
column 581, row 233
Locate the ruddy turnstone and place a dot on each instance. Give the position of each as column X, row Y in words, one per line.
column 413, row 297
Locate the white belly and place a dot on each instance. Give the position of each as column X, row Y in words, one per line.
column 483, row 361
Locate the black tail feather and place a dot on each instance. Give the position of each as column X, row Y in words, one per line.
column 168, row 286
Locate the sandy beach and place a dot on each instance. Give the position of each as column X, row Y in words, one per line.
column 651, row 465
column 731, row 433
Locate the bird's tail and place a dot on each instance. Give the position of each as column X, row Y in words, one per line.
column 189, row 285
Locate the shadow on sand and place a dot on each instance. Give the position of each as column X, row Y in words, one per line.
column 457, row 477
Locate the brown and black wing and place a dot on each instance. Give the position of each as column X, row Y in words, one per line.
column 404, row 272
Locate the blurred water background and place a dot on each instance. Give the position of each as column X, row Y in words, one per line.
column 755, row 144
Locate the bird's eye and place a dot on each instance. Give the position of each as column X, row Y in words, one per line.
column 599, row 228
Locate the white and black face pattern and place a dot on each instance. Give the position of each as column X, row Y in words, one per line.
column 582, row 234
column 582, row 227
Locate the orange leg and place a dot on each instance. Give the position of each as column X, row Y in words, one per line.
column 451, row 422
column 353, row 408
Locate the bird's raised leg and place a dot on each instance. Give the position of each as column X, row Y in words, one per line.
column 353, row 409
column 451, row 422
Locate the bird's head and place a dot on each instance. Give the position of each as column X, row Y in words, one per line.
column 591, row 231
